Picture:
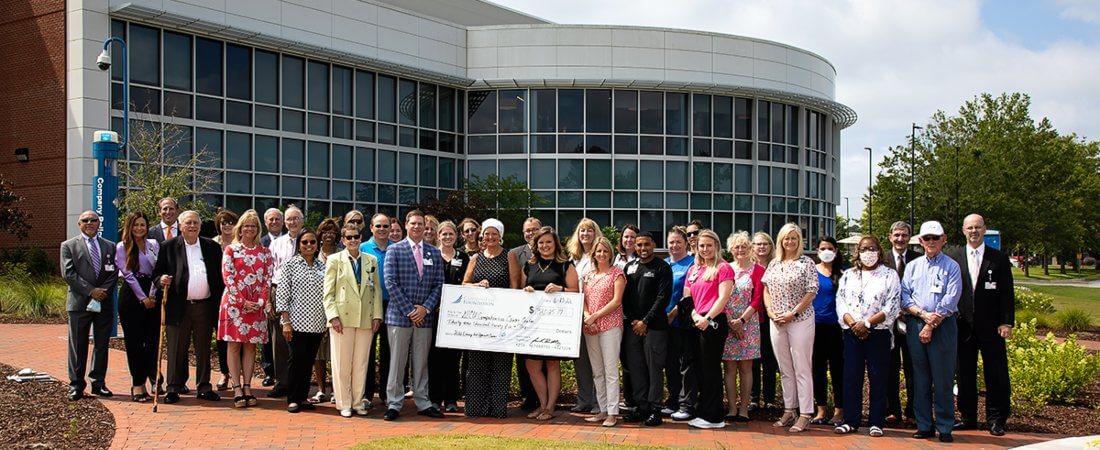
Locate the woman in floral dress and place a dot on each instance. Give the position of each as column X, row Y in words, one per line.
column 743, row 343
column 246, row 269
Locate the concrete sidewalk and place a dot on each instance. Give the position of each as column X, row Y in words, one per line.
column 193, row 424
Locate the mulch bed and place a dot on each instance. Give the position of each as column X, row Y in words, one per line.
column 1083, row 335
column 1079, row 418
column 52, row 320
column 38, row 415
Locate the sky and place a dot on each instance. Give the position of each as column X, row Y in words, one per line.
column 899, row 61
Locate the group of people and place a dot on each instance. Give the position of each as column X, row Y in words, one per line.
column 692, row 322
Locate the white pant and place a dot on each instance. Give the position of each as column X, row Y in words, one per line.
column 350, row 351
column 794, row 351
column 603, row 351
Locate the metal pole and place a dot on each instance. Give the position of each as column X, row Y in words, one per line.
column 870, row 192
column 957, row 186
column 913, row 172
column 106, row 166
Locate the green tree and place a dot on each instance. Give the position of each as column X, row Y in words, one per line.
column 13, row 218
column 161, row 164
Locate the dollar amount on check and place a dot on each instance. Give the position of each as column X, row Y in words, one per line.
column 510, row 321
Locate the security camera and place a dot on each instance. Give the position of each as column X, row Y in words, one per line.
column 103, row 61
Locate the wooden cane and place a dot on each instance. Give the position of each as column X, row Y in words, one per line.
column 160, row 344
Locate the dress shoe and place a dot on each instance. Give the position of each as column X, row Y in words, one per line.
column 946, row 437
column 209, row 396
column 102, row 391
column 269, row 381
column 965, row 425
column 653, row 420
column 923, row 434
column 997, row 429
column 184, row 390
column 634, row 417
column 293, row 408
column 432, row 412
column 391, row 414
column 75, row 394
column 171, row 397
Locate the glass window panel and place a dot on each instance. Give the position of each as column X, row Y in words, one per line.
column 341, row 161
column 513, row 168
column 778, row 128
column 543, row 174
column 792, row 124
column 723, row 116
column 267, row 185
column 406, row 168
column 483, row 145
column 626, row 111
column 144, row 47
column 238, row 183
column 652, row 145
column 145, row 99
column 779, row 153
column 318, row 86
column 598, row 110
column 407, row 102
column 701, row 180
column 294, row 121
column 118, row 28
column 599, row 216
column 177, row 105
column 266, row 77
column 208, row 66
column 177, row 61
column 626, row 174
column 267, row 153
column 743, row 118
column 743, row 202
column 364, row 94
column 294, row 187
column 447, row 142
column 626, row 145
column 676, row 175
column 676, row 146
column 763, row 180
column 792, row 182
column 364, row 164
column 546, row 199
column 723, row 177
column 364, row 192
column 294, row 157
column 723, row 148
column 597, row 199
column 652, row 112
column 318, row 124
column 742, row 150
column 778, row 204
column 483, row 110
column 701, row 147
column 760, row 203
column 341, row 90
column 792, row 157
column 209, row 109
column 209, row 143
column 341, row 190
column 482, row 168
column 364, row 131
column 181, row 152
column 700, row 115
column 651, row 200
column 570, row 143
column 318, row 189
column 427, row 105
column 238, row 72
column 599, row 174
column 599, row 143
column 387, row 166
column 652, row 174
column 543, row 143
column 763, row 121
column 743, row 178
column 341, row 128
column 238, row 113
column 238, row 151
column 570, row 174
column 446, row 173
column 512, row 145
column 700, row 201
column 387, row 98
column 763, row 152
column 676, row 201
column 267, row 117
column 317, row 159
column 676, row 111
column 570, row 110
column 723, row 222
column 723, row 202
column 626, row 199
column 544, row 109
column 294, row 82
column 446, row 109
column 427, row 140
column 512, row 118
column 387, row 193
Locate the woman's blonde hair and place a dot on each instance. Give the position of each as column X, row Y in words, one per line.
column 245, row 218
column 739, row 238
column 712, row 267
column 790, row 227
column 574, row 248
column 610, row 249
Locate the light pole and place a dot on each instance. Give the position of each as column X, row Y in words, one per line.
column 105, row 189
column 870, row 192
column 913, row 171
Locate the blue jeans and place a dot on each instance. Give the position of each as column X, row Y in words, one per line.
column 874, row 354
column 934, row 374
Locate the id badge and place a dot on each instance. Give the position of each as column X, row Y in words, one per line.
column 694, row 275
column 936, row 289
column 456, row 262
column 109, row 267
column 632, row 270
column 991, row 285
column 427, row 262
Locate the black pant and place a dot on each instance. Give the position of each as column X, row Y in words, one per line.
column 80, row 323
column 303, row 351
column 443, row 374
column 995, row 367
column 628, row 383
column 196, row 327
column 266, row 359
column 223, row 362
column 828, row 356
column 382, row 367
column 711, row 342
column 681, row 381
column 645, row 355
column 765, row 368
column 874, row 354
column 899, row 363
column 141, row 333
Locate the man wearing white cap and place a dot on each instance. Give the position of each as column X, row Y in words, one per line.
column 930, row 292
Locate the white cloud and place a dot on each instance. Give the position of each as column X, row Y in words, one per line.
column 897, row 61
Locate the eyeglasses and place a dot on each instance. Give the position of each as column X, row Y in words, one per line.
column 761, row 244
column 469, row 230
column 352, row 237
column 693, row 233
column 355, row 221
column 310, row 242
column 228, row 222
column 931, row 237
column 382, row 226
column 89, row 220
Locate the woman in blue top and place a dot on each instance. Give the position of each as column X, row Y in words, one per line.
column 828, row 345
column 681, row 383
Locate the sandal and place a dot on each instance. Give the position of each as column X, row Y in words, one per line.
column 785, row 420
column 876, row 432
column 239, row 401
column 140, row 397
column 844, row 429
column 545, row 415
column 319, row 398
column 249, row 399
column 801, row 424
column 534, row 414
column 596, row 418
column 818, row 421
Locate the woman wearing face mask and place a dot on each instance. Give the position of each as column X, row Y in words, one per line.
column 828, row 347
column 867, row 303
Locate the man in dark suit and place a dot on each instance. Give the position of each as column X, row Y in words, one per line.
column 273, row 219
column 88, row 266
column 189, row 266
column 899, row 255
column 987, row 307
column 169, row 226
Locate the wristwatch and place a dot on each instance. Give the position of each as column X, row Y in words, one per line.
column 867, row 323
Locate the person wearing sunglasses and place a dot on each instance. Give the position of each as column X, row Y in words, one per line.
column 471, row 231
column 379, row 368
column 88, row 266
column 302, row 316
column 930, row 292
column 693, row 228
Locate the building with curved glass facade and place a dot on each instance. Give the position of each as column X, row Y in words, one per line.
column 379, row 104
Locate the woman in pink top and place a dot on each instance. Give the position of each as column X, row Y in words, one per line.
column 603, row 328
column 710, row 283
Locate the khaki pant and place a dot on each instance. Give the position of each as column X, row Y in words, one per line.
column 349, row 352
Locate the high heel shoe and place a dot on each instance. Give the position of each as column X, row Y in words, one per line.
column 786, row 419
column 139, row 397
column 801, row 424
column 249, row 399
column 239, row 400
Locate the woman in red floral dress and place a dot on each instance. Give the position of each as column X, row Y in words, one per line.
column 246, row 268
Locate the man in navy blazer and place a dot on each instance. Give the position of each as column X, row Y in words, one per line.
column 414, row 280
column 987, row 307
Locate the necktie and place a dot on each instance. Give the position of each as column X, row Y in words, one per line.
column 975, row 265
column 168, row 232
column 419, row 259
column 901, row 265
column 93, row 250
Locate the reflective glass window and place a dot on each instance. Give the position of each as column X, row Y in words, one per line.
column 512, row 112
column 144, row 47
column 406, row 168
column 387, row 166
column 238, row 151
column 544, row 109
column 723, row 177
column 318, row 83
column 238, row 72
column 543, row 174
column 427, row 105
column 387, row 98
column 317, row 189
column 177, row 105
column 446, row 109
column 701, row 177
column 723, row 116
column 318, row 124
column 267, row 185
column 267, row 117
column 364, row 94
column 238, row 183
column 570, row 143
column 743, row 178
column 341, row 161
column 238, row 113
column 427, row 171
column 208, row 66
column 407, row 102
column 317, row 159
column 626, row 111
column 512, row 145
column 483, row 112
column 267, row 153
column 599, row 143
column 266, row 77
column 700, row 114
column 743, row 118
column 599, row 174
column 446, row 173
column 652, row 145
column 294, row 78
column 342, row 90
column 676, row 113
column 294, row 121
column 626, row 145
column 177, row 61
column 570, row 110
column 652, row 175
column 209, row 109
column 763, row 120
column 652, row 106
column 294, row 187
column 341, row 190
column 598, row 111
column 294, row 157
column 570, row 174
column 513, row 168
column 364, row 164
column 676, row 175
column 626, row 174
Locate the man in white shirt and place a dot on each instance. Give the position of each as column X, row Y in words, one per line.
column 282, row 249
column 168, row 227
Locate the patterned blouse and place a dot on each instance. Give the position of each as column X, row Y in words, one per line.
column 600, row 292
column 300, row 292
column 866, row 293
column 789, row 281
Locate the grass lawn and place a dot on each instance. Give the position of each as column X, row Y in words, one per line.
column 1066, row 297
column 449, row 441
column 1087, row 273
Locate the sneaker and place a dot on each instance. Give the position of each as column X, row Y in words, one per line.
column 876, row 432
column 361, row 411
column 681, row 415
column 700, row 423
column 667, row 411
column 345, row 413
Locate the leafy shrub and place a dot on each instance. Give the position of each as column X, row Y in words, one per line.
column 1042, row 320
column 1029, row 300
column 1073, row 320
column 1045, row 371
column 35, row 262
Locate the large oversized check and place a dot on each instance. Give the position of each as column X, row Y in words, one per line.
column 510, row 321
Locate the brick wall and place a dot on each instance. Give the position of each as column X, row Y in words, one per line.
column 32, row 114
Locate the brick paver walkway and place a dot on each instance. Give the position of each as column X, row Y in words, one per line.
column 193, row 424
